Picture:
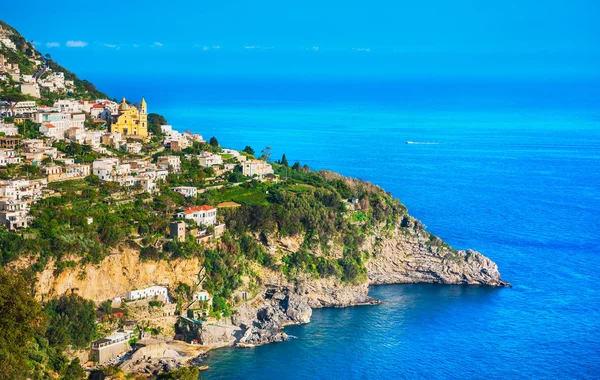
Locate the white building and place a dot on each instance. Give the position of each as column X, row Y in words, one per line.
column 208, row 159
column 256, row 169
column 151, row 292
column 166, row 129
column 132, row 147
column 202, row 296
column 68, row 105
column 172, row 163
column 8, row 129
column 186, row 191
column 202, row 215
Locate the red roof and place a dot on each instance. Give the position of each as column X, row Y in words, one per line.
column 49, row 125
column 192, row 210
column 97, row 106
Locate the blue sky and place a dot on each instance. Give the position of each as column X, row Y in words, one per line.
column 381, row 37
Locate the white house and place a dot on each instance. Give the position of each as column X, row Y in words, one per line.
column 172, row 163
column 187, row 191
column 208, row 159
column 202, row 296
column 256, row 168
column 151, row 292
column 202, row 215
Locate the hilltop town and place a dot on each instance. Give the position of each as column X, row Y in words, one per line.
column 142, row 247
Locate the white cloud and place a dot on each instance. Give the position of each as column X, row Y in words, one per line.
column 36, row 43
column 72, row 43
column 362, row 49
column 111, row 46
column 251, row 47
column 158, row 44
column 315, row 48
column 52, row 44
column 216, row 47
column 205, row 48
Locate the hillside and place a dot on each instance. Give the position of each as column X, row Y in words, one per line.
column 238, row 244
column 22, row 64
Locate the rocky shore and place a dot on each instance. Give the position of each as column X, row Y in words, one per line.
column 397, row 256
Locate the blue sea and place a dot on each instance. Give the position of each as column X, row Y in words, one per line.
column 515, row 174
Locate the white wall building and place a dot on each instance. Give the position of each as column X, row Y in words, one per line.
column 202, row 215
column 186, row 191
column 150, row 292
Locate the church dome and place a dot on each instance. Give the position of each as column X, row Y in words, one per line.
column 123, row 106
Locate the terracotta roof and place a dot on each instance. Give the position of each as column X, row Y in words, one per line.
column 99, row 121
column 192, row 210
column 97, row 106
column 49, row 125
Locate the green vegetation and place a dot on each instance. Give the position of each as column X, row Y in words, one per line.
column 184, row 373
column 154, row 122
column 32, row 338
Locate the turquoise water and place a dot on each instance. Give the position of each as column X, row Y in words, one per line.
column 516, row 175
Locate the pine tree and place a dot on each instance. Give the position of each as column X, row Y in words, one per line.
column 284, row 160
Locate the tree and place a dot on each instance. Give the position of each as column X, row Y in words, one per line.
column 266, row 153
column 154, row 122
column 21, row 318
column 106, row 306
column 74, row 371
column 248, row 149
column 214, row 142
column 72, row 321
column 296, row 166
column 284, row 160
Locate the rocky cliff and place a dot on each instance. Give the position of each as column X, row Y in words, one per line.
column 114, row 276
column 403, row 254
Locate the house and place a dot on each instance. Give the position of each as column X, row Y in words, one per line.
column 13, row 214
column 153, row 291
column 32, row 89
column 77, row 170
column 202, row 215
column 107, row 169
column 68, row 105
column 131, row 121
column 166, row 129
column 93, row 138
column 256, row 169
column 8, row 129
column 208, row 159
column 99, row 111
column 132, row 147
column 146, row 182
column 177, row 231
column 201, row 296
column 75, row 134
column 106, row 349
column 186, row 191
column 112, row 139
column 9, row 142
column 52, row 170
column 172, row 163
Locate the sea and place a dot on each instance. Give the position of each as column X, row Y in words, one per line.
column 511, row 169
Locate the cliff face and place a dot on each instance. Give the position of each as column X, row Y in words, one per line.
column 114, row 276
column 409, row 256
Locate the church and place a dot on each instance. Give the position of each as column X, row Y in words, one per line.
column 131, row 121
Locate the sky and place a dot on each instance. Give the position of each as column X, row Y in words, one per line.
column 385, row 38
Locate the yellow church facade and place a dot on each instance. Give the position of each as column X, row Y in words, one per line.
column 131, row 121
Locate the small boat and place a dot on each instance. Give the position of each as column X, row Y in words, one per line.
column 203, row 368
column 422, row 143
